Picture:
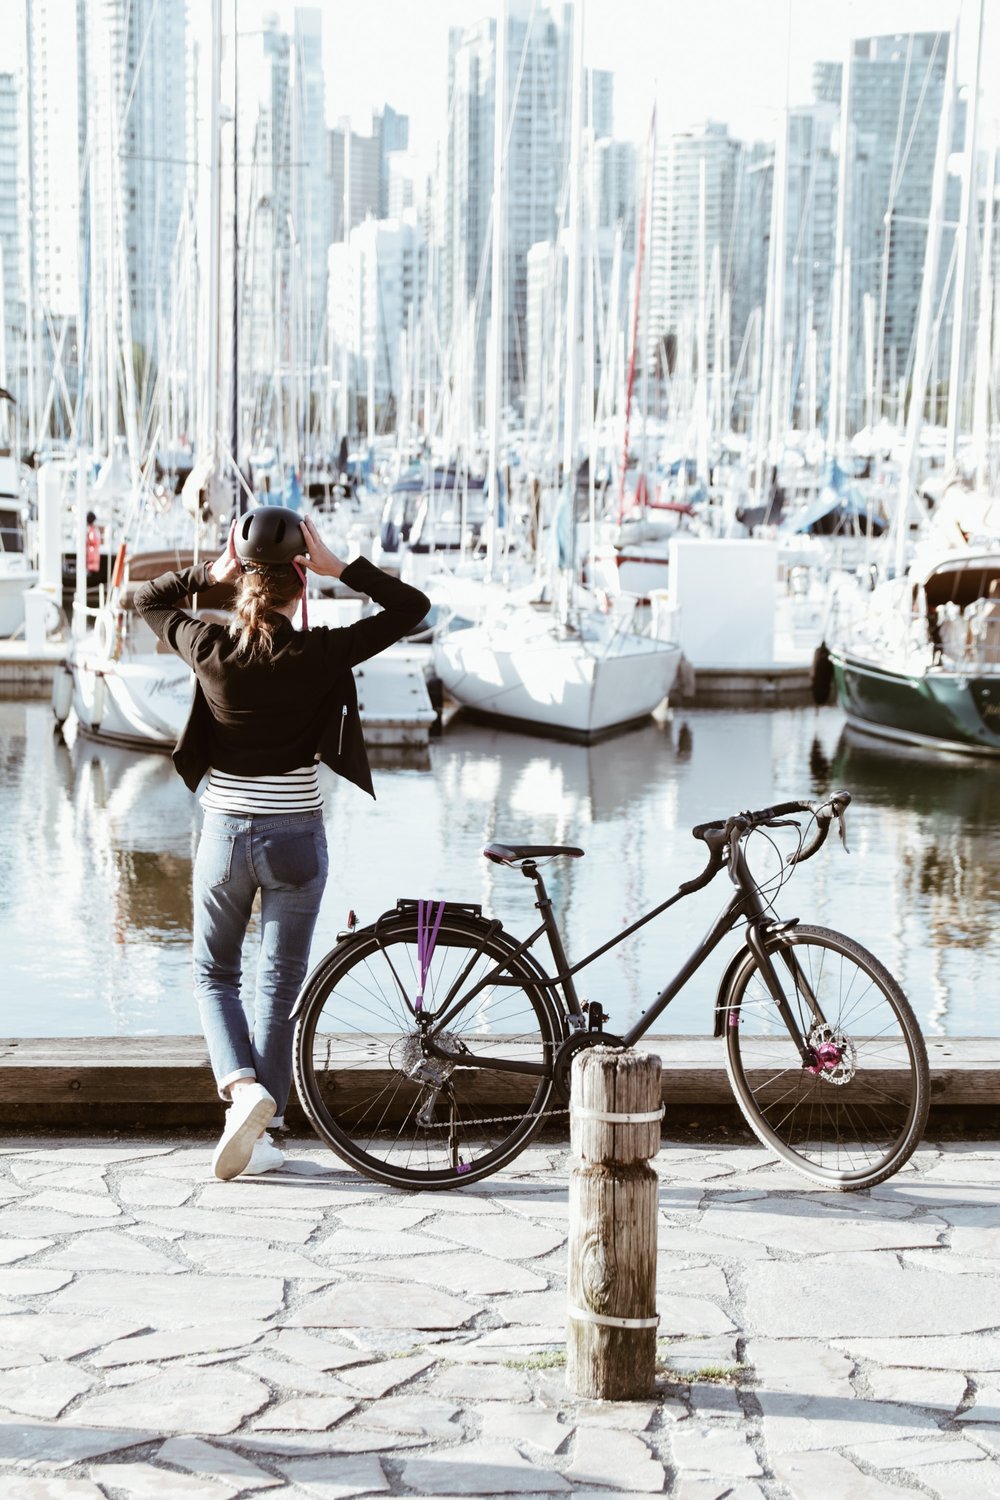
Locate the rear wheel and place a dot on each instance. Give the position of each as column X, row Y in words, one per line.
column 853, row 1114
column 371, row 1088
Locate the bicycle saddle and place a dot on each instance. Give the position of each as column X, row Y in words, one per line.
column 512, row 854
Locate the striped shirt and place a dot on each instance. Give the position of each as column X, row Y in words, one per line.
column 287, row 792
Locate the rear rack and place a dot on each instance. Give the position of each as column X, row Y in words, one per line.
column 452, row 908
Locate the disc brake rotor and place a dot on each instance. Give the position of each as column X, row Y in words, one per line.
column 835, row 1057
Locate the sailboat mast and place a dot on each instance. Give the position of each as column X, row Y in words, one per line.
column 635, row 316
column 981, row 401
column 571, row 402
column 965, row 219
column 495, row 384
column 209, row 442
column 925, row 318
column 234, row 411
column 837, row 290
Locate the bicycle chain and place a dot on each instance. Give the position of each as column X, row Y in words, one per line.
column 543, row 1114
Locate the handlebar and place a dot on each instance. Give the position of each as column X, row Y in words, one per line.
column 731, row 830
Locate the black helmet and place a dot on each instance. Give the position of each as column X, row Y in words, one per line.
column 269, row 537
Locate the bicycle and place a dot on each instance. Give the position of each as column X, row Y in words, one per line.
column 409, row 1020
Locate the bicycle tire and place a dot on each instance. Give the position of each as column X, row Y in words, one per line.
column 356, row 1049
column 855, row 1117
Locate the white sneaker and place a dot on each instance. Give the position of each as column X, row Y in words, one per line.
column 252, row 1108
column 265, row 1157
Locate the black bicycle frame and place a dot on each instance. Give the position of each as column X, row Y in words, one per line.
column 747, row 904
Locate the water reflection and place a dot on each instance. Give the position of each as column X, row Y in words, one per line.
column 95, row 870
column 942, row 842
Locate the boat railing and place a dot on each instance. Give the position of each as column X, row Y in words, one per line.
column 970, row 638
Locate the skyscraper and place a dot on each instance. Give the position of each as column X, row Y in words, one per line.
column 393, row 132
column 895, row 99
column 136, row 142
column 265, row 189
column 312, row 210
column 694, row 170
column 535, row 59
column 364, row 164
column 376, row 284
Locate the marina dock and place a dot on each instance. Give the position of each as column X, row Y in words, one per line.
column 165, row 1082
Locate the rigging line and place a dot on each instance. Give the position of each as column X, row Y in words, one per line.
column 138, row 66
column 488, row 226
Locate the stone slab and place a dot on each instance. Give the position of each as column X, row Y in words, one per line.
column 809, row 1475
column 64, row 1336
column 43, row 1390
column 884, row 1302
column 173, row 1343
column 197, row 1457
column 337, row 1476
column 479, row 1469
column 620, row 1460
column 172, row 1301
column 147, row 1482
column 45, row 1446
column 108, row 1250
column 359, row 1304
column 476, row 1274
column 187, row 1402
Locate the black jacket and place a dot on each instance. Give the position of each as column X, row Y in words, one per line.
column 260, row 716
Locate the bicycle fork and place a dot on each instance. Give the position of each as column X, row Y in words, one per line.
column 758, row 931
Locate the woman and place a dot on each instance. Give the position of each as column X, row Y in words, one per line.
column 269, row 703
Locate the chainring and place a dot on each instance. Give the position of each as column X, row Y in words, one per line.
column 576, row 1042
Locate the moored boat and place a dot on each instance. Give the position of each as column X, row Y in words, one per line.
column 918, row 658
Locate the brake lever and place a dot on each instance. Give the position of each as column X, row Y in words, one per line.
column 735, row 833
column 842, row 829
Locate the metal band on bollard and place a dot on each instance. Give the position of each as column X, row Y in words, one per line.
column 604, row 1320
column 646, row 1118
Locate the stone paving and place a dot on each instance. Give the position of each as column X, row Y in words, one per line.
column 312, row 1334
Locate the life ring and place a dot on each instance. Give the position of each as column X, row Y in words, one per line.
column 105, row 633
column 821, row 676
column 62, row 694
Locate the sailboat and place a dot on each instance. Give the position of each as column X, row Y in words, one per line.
column 918, row 658
column 124, row 686
column 572, row 671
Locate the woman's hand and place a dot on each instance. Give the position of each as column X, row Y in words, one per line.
column 227, row 565
column 320, row 560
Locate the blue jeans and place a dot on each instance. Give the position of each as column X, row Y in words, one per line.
column 285, row 858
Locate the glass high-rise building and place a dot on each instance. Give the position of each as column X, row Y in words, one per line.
column 895, row 100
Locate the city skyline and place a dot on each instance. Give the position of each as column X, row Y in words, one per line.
column 742, row 86
column 417, row 297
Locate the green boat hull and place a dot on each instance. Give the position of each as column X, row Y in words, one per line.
column 943, row 710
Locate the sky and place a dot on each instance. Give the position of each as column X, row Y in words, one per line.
column 729, row 60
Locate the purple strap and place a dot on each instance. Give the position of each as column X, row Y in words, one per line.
column 427, row 931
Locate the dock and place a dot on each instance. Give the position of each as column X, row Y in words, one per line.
column 28, row 668
column 166, row 1082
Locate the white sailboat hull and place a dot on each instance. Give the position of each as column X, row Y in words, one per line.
column 558, row 684
column 143, row 701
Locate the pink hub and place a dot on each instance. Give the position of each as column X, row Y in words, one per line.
column 827, row 1056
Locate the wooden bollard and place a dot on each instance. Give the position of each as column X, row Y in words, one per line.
column 614, row 1131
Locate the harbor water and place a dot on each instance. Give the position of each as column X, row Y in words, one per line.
column 95, row 869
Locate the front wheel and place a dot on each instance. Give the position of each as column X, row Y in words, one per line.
column 852, row 1114
column 367, row 1079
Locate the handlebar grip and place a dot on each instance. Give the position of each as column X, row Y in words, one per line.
column 816, row 842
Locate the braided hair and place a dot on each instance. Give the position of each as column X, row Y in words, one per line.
column 261, row 596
